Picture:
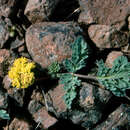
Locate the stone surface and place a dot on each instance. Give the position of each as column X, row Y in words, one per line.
column 44, row 118
column 34, row 106
column 111, row 57
column 49, row 42
column 92, row 96
column 56, row 99
column 8, row 8
column 18, row 124
column 3, row 100
column 117, row 120
column 16, row 94
column 129, row 23
column 106, row 12
column 40, row 10
column 4, row 57
column 105, row 36
column 4, row 33
column 86, row 119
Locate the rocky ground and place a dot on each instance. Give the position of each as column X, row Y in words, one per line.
column 42, row 30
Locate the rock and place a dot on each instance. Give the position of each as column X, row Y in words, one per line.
column 16, row 43
column 16, row 94
column 87, row 96
column 129, row 23
column 40, row 10
column 56, row 100
column 18, row 124
column 92, row 96
column 44, row 118
column 86, row 119
column 3, row 100
column 8, row 8
column 111, row 57
column 34, row 106
column 50, row 42
column 4, row 32
column 7, row 82
column 117, row 120
column 105, row 12
column 105, row 36
column 4, row 57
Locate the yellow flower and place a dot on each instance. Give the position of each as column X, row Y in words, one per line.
column 21, row 73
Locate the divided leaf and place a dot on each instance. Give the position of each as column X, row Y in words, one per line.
column 117, row 78
column 70, row 83
column 79, row 55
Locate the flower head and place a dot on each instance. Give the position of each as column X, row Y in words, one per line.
column 21, row 73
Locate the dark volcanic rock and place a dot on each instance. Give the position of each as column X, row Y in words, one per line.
column 105, row 36
column 49, row 42
column 92, row 96
column 8, row 8
column 4, row 58
column 4, row 32
column 3, row 100
column 106, row 12
column 117, row 120
column 40, row 10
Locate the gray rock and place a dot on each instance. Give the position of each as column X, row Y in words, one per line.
column 3, row 100
column 117, row 120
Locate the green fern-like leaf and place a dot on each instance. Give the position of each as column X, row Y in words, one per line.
column 79, row 55
column 77, row 61
column 117, row 78
column 4, row 115
column 70, row 83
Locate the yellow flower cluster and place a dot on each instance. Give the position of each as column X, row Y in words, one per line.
column 21, row 73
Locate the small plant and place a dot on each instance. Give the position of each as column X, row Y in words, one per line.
column 115, row 79
column 4, row 115
column 53, row 69
column 21, row 73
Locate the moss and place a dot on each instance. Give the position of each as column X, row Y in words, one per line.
column 21, row 73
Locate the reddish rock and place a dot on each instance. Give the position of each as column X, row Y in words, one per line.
column 56, row 99
column 8, row 8
column 111, row 57
column 105, row 36
column 4, row 32
column 18, row 124
column 44, row 118
column 49, row 42
column 106, row 12
column 117, row 120
column 40, row 10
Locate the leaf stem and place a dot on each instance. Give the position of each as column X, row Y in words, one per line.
column 86, row 76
